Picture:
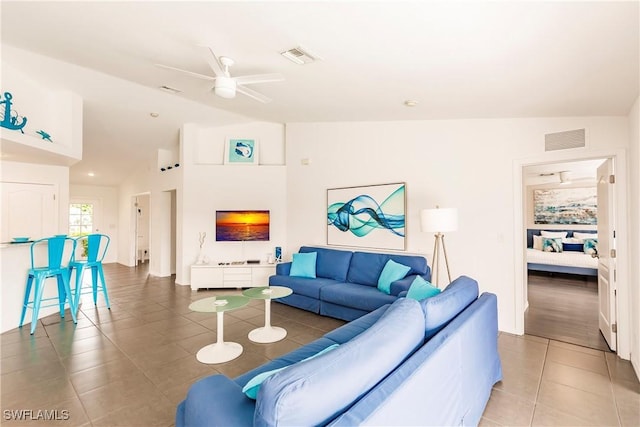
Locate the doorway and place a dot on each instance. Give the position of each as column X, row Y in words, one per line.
column 561, row 289
column 142, row 212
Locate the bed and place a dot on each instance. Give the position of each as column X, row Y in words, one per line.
column 571, row 260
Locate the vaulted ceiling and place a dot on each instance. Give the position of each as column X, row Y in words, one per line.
column 455, row 59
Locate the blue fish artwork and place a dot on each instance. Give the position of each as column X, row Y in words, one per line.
column 244, row 150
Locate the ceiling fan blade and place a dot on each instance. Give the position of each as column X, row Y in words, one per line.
column 214, row 62
column 259, row 78
column 253, row 94
column 191, row 73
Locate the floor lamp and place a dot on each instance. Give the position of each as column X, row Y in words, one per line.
column 439, row 221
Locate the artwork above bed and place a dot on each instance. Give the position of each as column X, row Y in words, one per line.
column 565, row 206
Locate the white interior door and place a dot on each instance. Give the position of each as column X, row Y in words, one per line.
column 606, row 254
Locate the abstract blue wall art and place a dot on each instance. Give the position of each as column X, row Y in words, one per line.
column 566, row 206
column 241, row 151
column 369, row 216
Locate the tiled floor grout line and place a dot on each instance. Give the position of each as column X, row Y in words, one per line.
column 535, row 400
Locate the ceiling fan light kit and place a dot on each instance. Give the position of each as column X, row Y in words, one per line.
column 226, row 86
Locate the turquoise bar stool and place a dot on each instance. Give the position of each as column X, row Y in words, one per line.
column 94, row 248
column 55, row 264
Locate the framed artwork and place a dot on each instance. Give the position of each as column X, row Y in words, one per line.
column 241, row 151
column 369, row 216
column 566, row 206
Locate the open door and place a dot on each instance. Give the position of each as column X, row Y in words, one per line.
column 606, row 254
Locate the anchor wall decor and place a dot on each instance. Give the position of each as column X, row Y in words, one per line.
column 11, row 119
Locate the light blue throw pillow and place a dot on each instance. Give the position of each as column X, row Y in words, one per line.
column 304, row 265
column 391, row 272
column 421, row 289
column 252, row 387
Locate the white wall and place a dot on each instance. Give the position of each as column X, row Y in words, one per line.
column 137, row 183
column 209, row 185
column 634, row 231
column 108, row 215
column 468, row 164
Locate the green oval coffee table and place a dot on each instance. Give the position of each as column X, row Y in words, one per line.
column 267, row 333
column 220, row 351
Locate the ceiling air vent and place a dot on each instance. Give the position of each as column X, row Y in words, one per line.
column 299, row 55
column 564, row 140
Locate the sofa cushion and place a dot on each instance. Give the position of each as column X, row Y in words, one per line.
column 304, row 265
column 421, row 289
column 440, row 309
column 327, row 385
column 356, row 296
column 331, row 263
column 252, row 386
column 287, row 359
column 302, row 285
column 349, row 330
column 365, row 267
column 391, row 272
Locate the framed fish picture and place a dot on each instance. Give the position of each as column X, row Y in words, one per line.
column 241, row 151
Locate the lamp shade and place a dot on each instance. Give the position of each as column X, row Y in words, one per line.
column 439, row 220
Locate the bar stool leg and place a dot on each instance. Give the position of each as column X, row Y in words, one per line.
column 104, row 285
column 37, row 300
column 27, row 293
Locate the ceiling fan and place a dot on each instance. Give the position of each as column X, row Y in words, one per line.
column 225, row 85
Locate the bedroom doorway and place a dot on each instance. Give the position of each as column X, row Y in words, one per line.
column 562, row 291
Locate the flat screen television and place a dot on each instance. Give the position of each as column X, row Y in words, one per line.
column 242, row 226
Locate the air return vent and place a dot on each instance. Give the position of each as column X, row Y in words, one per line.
column 299, row 55
column 564, row 140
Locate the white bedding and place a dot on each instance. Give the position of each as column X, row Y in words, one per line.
column 566, row 258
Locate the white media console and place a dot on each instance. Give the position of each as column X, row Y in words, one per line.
column 230, row 275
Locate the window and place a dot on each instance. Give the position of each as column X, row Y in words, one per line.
column 80, row 219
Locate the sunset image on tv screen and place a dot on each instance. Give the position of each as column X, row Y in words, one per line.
column 242, row 226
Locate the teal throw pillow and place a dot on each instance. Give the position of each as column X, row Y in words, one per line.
column 421, row 289
column 304, row 265
column 590, row 246
column 391, row 272
column 552, row 244
column 252, row 386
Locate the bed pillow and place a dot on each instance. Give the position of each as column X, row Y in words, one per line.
column 561, row 234
column 552, row 244
column 537, row 243
column 572, row 247
column 590, row 246
column 583, row 236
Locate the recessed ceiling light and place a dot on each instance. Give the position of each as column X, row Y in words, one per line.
column 91, row 174
column 410, row 103
column 154, row 115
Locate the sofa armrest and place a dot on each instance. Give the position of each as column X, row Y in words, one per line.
column 215, row 400
column 283, row 268
column 403, row 285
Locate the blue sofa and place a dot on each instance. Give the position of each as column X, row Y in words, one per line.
column 345, row 286
column 429, row 362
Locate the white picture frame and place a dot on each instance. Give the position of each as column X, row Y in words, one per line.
column 241, row 151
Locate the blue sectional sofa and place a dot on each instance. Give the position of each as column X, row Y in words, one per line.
column 428, row 362
column 345, row 286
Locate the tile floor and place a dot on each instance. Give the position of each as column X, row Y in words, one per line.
column 133, row 364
